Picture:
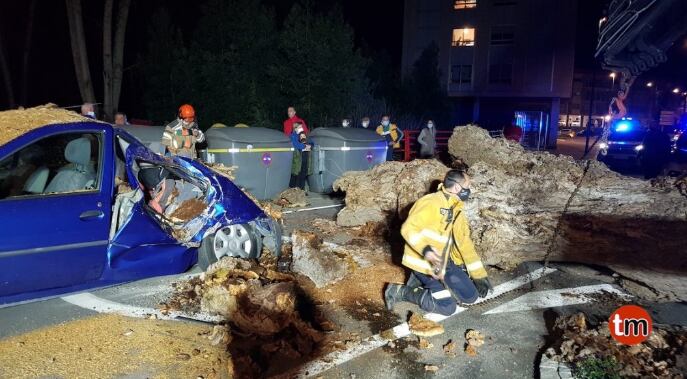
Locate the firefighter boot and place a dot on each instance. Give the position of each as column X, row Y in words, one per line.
column 398, row 292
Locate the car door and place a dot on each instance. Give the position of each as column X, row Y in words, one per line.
column 55, row 216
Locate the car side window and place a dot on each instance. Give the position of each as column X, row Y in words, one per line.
column 58, row 164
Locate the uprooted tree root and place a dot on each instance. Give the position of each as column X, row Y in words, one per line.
column 274, row 326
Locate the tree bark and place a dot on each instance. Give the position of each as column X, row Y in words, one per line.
column 6, row 75
column 118, row 56
column 27, row 53
column 79, row 51
column 108, row 108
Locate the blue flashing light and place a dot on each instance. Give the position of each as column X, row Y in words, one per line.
column 623, row 126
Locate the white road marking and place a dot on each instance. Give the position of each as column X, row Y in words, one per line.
column 334, row 359
column 554, row 298
column 100, row 305
column 313, row 208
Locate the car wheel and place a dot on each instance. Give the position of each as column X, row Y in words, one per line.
column 239, row 240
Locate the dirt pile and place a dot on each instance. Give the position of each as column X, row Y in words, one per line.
column 273, row 328
column 14, row 123
column 533, row 206
column 291, row 198
column 188, row 210
column 387, row 190
column 662, row 355
column 111, row 346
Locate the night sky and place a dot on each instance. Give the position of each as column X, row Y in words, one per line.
column 378, row 25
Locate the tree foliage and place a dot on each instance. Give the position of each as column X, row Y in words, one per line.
column 240, row 65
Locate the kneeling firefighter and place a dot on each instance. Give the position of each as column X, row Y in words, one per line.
column 446, row 267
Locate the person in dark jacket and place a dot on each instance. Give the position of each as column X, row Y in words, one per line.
column 301, row 156
column 655, row 152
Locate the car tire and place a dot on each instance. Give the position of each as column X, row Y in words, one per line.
column 239, row 240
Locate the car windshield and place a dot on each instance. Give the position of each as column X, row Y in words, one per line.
column 627, row 136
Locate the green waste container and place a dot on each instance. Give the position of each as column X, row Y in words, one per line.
column 338, row 150
column 262, row 157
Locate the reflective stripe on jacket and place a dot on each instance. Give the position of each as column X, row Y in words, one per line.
column 180, row 140
column 426, row 226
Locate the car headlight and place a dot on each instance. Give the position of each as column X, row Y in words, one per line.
column 639, row 147
column 603, row 145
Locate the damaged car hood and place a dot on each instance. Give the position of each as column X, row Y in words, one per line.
column 225, row 203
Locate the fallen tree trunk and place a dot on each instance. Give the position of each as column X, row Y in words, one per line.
column 536, row 206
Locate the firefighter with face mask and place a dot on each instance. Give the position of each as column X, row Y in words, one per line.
column 446, row 267
column 181, row 135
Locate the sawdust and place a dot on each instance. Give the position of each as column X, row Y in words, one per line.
column 662, row 355
column 14, row 123
column 106, row 346
column 423, row 327
column 228, row 172
column 188, row 210
column 431, row 368
column 424, row 344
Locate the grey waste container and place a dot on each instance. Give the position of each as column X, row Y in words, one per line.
column 338, row 150
column 150, row 136
column 262, row 157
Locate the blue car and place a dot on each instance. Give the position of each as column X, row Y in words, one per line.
column 73, row 215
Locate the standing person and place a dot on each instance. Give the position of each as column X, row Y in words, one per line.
column 300, row 166
column 656, row 152
column 120, row 119
column 181, row 135
column 88, row 110
column 345, row 123
column 393, row 136
column 446, row 267
column 428, row 140
column 365, row 122
column 288, row 123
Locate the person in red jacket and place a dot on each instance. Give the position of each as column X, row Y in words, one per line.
column 288, row 123
column 512, row 132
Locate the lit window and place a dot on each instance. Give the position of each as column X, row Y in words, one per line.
column 464, row 4
column 463, row 37
column 461, row 74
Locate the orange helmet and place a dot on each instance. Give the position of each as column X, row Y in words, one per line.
column 186, row 111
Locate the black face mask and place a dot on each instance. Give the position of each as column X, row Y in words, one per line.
column 464, row 194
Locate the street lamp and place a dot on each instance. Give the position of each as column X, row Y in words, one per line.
column 612, row 75
column 650, row 84
column 676, row 90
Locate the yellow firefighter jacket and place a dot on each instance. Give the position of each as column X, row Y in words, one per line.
column 426, row 226
column 391, row 133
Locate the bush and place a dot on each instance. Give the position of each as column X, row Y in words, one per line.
column 597, row 368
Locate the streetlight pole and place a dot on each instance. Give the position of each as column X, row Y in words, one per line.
column 591, row 113
column 612, row 75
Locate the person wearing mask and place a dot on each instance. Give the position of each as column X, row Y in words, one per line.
column 655, row 153
column 345, row 123
column 181, row 135
column 428, row 140
column 300, row 165
column 393, row 136
column 120, row 119
column 365, row 122
column 446, row 269
column 288, row 123
column 88, row 110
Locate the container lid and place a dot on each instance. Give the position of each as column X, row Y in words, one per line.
column 347, row 134
column 250, row 135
